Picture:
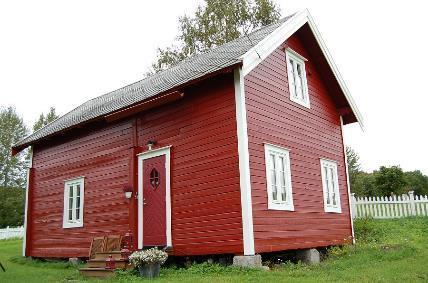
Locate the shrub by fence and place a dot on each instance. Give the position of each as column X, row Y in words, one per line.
column 11, row 232
column 389, row 207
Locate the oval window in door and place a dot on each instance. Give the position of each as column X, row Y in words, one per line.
column 154, row 178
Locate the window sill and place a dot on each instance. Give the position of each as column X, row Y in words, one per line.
column 72, row 225
column 333, row 209
column 281, row 206
column 302, row 103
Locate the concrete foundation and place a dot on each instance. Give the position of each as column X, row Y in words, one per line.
column 254, row 261
column 309, row 256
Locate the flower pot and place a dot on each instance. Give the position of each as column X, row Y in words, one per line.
column 149, row 270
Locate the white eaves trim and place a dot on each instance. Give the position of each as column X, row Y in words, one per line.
column 264, row 48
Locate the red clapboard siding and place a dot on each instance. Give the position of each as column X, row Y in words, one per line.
column 102, row 157
column 310, row 134
column 205, row 196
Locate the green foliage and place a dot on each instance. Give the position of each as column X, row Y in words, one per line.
column 12, row 201
column 211, row 268
column 12, row 130
column 417, row 182
column 354, row 166
column 390, row 180
column 364, row 184
column 213, row 24
column 45, row 119
column 385, row 181
column 367, row 230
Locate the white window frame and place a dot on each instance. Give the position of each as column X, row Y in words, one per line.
column 67, row 184
column 285, row 153
column 328, row 196
column 298, row 59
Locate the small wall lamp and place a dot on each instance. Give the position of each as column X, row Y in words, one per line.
column 150, row 144
column 128, row 191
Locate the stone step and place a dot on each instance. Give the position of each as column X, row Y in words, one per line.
column 96, row 272
column 116, row 255
column 101, row 263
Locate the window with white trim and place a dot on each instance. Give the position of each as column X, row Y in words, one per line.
column 74, row 191
column 330, row 185
column 297, row 82
column 278, row 177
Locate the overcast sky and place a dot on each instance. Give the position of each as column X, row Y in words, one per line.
column 62, row 53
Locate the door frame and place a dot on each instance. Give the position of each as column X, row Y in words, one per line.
column 141, row 157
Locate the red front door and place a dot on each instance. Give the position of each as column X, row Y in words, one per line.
column 154, row 204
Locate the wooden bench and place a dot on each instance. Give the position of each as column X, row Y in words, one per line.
column 105, row 244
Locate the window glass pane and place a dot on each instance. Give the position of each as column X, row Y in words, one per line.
column 78, row 214
column 291, row 65
column 70, row 198
column 70, row 214
column 327, row 189
column 300, row 82
column 291, row 82
column 273, row 177
column 333, row 191
column 77, row 197
column 299, row 70
column 297, row 82
column 281, row 170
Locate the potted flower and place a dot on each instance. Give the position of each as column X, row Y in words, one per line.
column 148, row 261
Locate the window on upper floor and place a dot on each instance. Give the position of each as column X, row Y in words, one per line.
column 74, row 191
column 278, row 177
column 330, row 184
column 297, row 82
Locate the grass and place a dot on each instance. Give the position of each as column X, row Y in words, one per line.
column 386, row 251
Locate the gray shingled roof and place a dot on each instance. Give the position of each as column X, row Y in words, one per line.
column 186, row 71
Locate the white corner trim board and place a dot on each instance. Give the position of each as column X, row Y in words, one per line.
column 30, row 165
column 141, row 157
column 347, row 181
column 244, row 163
column 261, row 51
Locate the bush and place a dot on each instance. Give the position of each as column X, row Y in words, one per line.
column 367, row 230
column 12, row 201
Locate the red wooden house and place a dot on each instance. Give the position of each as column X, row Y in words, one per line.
column 235, row 151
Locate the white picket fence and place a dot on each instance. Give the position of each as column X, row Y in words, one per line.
column 11, row 232
column 389, row 207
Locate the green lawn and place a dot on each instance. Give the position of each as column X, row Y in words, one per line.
column 386, row 251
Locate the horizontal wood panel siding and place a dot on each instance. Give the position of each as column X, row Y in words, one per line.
column 309, row 134
column 205, row 196
column 102, row 157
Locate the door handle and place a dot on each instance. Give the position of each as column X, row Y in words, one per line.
column 144, row 201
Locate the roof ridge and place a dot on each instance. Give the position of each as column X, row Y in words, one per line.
column 177, row 64
column 227, row 43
